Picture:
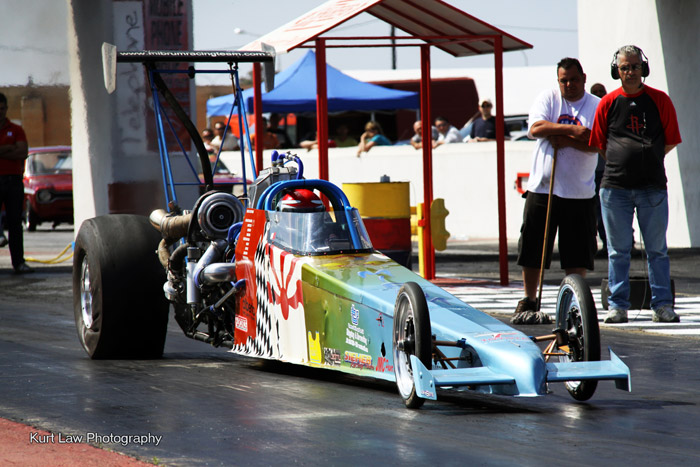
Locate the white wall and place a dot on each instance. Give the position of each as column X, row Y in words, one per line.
column 464, row 174
column 668, row 32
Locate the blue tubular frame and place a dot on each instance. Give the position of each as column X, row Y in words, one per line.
column 242, row 115
column 335, row 195
column 149, row 58
column 169, row 184
column 165, row 166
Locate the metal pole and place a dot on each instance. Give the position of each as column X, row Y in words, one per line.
column 393, row 46
column 321, row 109
column 257, row 110
column 500, row 164
column 427, row 137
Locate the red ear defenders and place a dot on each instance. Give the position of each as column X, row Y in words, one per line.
column 615, row 73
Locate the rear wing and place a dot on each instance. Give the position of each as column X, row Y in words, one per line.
column 150, row 59
column 110, row 57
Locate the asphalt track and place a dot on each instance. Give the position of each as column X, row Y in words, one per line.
column 214, row 408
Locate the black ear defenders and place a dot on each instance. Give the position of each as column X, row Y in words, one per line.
column 615, row 73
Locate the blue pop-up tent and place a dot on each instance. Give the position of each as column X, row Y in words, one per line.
column 295, row 92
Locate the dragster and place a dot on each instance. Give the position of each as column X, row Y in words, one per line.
column 288, row 272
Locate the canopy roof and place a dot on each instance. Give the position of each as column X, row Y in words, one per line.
column 295, row 91
column 429, row 20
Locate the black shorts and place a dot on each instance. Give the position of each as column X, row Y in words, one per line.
column 574, row 219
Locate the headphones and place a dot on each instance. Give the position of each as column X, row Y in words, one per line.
column 615, row 73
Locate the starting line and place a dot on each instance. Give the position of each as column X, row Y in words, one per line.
column 499, row 300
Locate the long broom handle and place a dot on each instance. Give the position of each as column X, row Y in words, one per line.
column 546, row 228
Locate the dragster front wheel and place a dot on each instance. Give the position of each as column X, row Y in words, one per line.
column 577, row 315
column 412, row 336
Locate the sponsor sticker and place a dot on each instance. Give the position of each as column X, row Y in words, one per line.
column 358, row 360
column 331, row 356
column 242, row 323
column 354, row 315
column 383, row 367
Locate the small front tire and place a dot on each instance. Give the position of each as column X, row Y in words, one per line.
column 412, row 336
column 577, row 315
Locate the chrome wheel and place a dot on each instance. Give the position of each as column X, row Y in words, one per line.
column 412, row 336
column 85, row 293
column 405, row 338
column 577, row 316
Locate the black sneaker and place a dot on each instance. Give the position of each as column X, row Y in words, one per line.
column 23, row 269
column 3, row 240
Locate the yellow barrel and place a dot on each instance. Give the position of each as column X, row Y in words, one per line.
column 386, row 212
column 390, row 200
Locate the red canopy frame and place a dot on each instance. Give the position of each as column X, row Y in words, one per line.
column 453, row 31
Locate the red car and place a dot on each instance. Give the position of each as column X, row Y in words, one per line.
column 48, row 186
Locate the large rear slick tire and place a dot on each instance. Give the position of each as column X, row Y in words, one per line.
column 412, row 336
column 577, row 315
column 118, row 302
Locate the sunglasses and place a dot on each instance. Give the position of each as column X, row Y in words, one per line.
column 635, row 67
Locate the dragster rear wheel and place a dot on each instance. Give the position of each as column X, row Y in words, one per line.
column 412, row 336
column 119, row 306
column 577, row 315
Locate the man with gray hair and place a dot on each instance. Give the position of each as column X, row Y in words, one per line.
column 635, row 127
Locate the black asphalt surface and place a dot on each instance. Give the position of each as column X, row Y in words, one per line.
column 215, row 408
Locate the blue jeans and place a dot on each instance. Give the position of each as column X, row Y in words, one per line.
column 618, row 207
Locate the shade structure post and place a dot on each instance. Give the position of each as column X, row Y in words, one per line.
column 257, row 111
column 321, row 109
column 428, row 250
column 500, row 163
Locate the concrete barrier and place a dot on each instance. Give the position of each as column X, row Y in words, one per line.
column 464, row 174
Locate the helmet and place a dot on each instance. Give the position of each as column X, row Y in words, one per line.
column 300, row 200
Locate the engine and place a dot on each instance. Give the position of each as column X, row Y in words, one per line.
column 197, row 251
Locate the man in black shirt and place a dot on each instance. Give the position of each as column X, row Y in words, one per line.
column 484, row 128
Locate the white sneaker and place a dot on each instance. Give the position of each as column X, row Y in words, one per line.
column 665, row 314
column 616, row 315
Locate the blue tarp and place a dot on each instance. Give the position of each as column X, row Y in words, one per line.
column 295, row 92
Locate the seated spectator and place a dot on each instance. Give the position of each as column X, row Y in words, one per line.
column 484, row 128
column 230, row 143
column 285, row 142
column 310, row 141
column 417, row 139
column 446, row 133
column 343, row 140
column 207, row 137
column 373, row 136
column 270, row 140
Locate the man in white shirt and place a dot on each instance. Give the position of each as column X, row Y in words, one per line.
column 230, row 142
column 446, row 132
column 560, row 118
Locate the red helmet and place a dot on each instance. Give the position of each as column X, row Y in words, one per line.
column 301, row 200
